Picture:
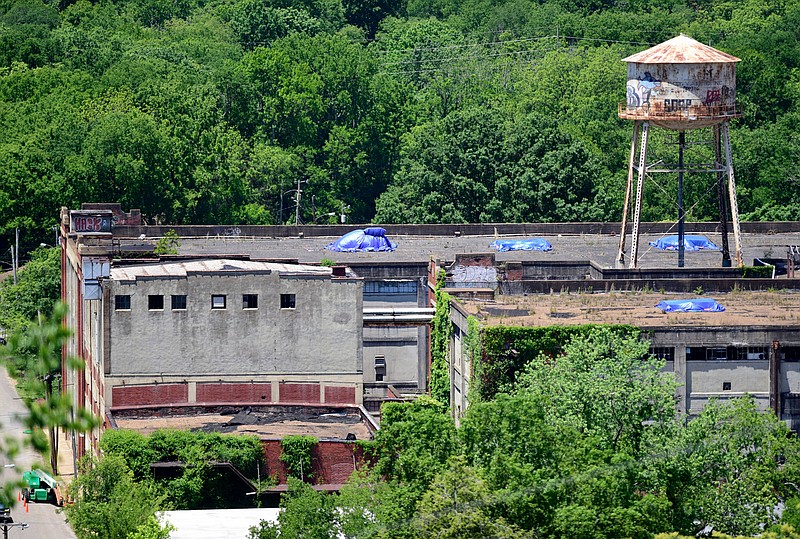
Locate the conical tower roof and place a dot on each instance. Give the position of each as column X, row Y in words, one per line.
column 681, row 50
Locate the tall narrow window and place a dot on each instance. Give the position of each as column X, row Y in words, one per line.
column 178, row 302
column 287, row 301
column 218, row 301
column 122, row 302
column 380, row 368
column 249, row 301
column 155, row 302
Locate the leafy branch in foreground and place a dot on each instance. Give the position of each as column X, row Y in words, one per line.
column 43, row 341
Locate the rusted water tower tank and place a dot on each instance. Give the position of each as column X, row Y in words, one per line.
column 681, row 84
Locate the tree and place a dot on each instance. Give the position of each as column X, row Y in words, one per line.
column 43, row 341
column 604, row 385
column 728, row 468
column 458, row 505
column 307, row 514
column 109, row 504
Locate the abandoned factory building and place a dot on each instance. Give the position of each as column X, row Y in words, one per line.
column 265, row 314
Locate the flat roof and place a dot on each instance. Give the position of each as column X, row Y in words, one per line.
column 216, row 265
column 217, row 523
column 324, row 423
column 599, row 248
column 742, row 308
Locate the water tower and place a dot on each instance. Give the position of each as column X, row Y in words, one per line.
column 681, row 85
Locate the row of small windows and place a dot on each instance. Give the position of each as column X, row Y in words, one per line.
column 376, row 288
column 155, row 302
column 727, row 353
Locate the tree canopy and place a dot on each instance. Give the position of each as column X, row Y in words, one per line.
column 238, row 111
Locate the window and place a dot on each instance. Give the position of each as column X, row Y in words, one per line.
column 745, row 353
column 386, row 288
column 249, row 301
column 178, row 303
column 667, row 353
column 122, row 302
column 155, row 302
column 380, row 368
column 287, row 301
column 218, row 301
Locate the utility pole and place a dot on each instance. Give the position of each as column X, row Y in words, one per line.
column 16, row 256
column 297, row 204
column 7, row 522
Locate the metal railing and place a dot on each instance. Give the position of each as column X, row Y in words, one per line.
column 658, row 111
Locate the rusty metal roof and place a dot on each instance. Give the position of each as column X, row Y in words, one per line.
column 681, row 50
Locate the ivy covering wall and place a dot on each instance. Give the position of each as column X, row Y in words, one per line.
column 441, row 328
column 507, row 349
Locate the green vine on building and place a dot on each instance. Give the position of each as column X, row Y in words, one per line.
column 441, row 328
column 296, row 453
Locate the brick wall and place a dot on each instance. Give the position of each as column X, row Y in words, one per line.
column 332, row 461
column 298, row 393
column 150, row 394
column 234, row 392
column 340, row 395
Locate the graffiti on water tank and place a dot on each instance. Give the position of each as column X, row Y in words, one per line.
column 640, row 90
column 676, row 105
column 713, row 97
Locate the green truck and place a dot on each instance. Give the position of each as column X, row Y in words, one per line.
column 41, row 487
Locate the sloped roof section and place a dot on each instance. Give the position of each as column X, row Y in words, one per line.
column 681, row 50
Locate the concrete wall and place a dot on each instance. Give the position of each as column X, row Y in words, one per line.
column 473, row 229
column 320, row 335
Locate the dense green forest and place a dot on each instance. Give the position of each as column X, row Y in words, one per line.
column 216, row 111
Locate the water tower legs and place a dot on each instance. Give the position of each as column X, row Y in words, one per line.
column 723, row 206
column 723, row 166
column 623, row 232
column 637, row 208
column 737, row 230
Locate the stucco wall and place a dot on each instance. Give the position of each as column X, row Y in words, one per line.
column 322, row 334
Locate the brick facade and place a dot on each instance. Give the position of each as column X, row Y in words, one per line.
column 298, row 393
column 150, row 394
column 233, row 392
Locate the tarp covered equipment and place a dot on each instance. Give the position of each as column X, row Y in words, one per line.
column 531, row 244
column 690, row 305
column 369, row 239
column 690, row 243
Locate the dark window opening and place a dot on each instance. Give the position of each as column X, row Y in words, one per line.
column 249, row 301
column 789, row 353
column 726, row 386
column 667, row 353
column 287, row 301
column 380, row 368
column 122, row 302
column 218, row 301
column 179, row 303
column 752, row 353
column 155, row 302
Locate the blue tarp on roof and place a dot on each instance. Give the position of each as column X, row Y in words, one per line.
column 370, row 239
column 690, row 243
column 690, row 305
column 531, row 244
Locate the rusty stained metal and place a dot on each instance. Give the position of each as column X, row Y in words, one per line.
column 681, row 84
column 681, row 50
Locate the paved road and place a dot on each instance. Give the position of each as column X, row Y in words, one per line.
column 43, row 519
